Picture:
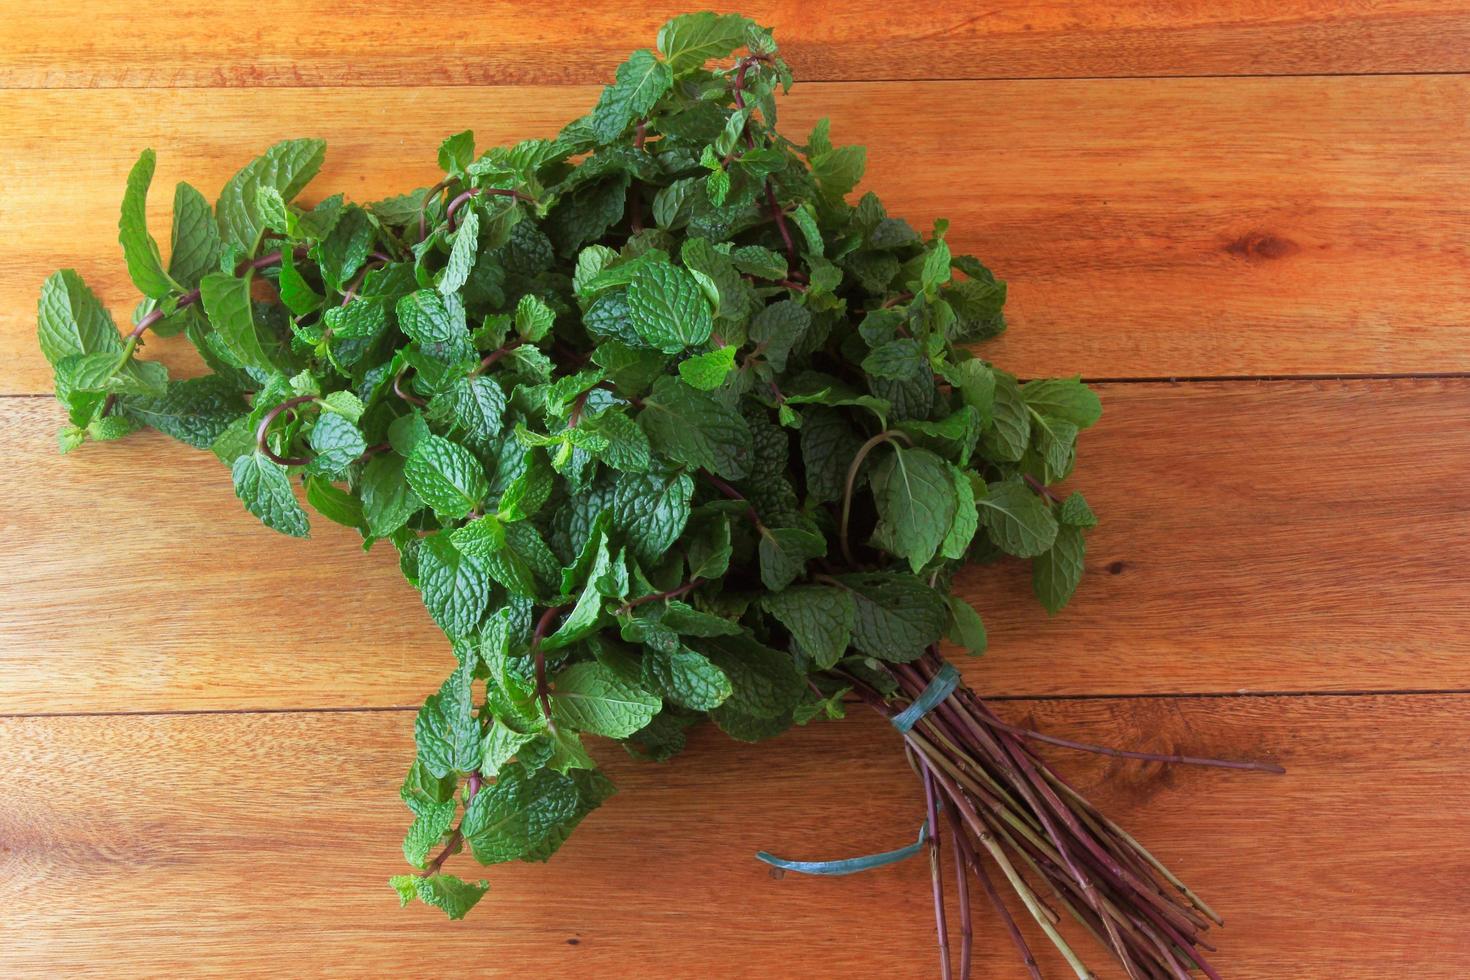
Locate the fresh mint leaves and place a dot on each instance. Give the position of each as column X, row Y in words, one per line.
column 663, row 427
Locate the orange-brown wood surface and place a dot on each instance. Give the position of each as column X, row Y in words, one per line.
column 202, row 732
column 260, row 844
column 240, row 43
column 1301, row 524
column 1148, row 227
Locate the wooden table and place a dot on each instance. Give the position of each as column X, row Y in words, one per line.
column 1247, row 221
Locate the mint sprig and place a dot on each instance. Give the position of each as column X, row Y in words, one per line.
column 663, row 428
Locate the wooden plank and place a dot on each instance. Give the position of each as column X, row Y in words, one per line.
column 1255, row 536
column 1188, row 228
column 198, row 844
column 99, row 44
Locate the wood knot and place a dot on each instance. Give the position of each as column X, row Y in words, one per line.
column 1116, row 568
column 1262, row 245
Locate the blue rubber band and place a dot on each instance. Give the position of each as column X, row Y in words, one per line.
column 848, row 866
column 941, row 687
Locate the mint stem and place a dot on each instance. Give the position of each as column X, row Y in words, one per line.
column 464, row 197
column 262, row 431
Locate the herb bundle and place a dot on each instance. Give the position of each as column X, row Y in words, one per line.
column 665, row 430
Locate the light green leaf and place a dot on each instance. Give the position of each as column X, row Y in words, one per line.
column 446, row 476
column 71, row 320
column 592, row 698
column 227, row 303
column 709, row 370
column 265, row 489
column 455, row 586
column 690, row 40
column 462, row 252
column 445, row 730
column 640, row 82
column 145, row 264
column 693, row 427
column 820, row 619
column 965, row 626
column 898, row 616
column 667, row 308
column 1018, row 521
column 1056, row 573
column 286, row 167
column 446, row 892
column 916, row 503
column 195, row 244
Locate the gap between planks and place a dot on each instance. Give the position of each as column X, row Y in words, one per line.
column 997, row 698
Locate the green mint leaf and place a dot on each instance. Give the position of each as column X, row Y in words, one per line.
column 1009, row 433
column 445, row 731
column 686, row 678
column 514, row 815
column 437, row 322
column 1056, row 573
column 71, row 320
column 1018, row 521
column 446, row 476
column 195, row 243
column 709, row 370
column 667, row 308
column 626, row 447
column 480, row 538
column 936, row 267
column 820, row 619
column 534, row 318
column 145, row 264
column 693, row 427
column 286, row 168
column 300, row 298
column 387, row 500
column 226, row 301
column 431, row 822
column 500, row 746
column 966, row 517
column 196, row 411
column 265, row 489
column 764, row 683
column 336, row 443
column 591, row 698
column 462, row 253
column 334, row 503
column 455, row 586
column 456, row 152
column 640, row 82
column 897, row 616
column 1067, row 399
column 965, row 626
column 445, row 892
column 709, row 550
column 916, row 503
column 784, row 552
column 1076, row 513
column 690, row 40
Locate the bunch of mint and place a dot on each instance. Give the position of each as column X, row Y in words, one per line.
column 664, row 428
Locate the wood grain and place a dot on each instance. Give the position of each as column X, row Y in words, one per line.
column 228, row 43
column 222, row 844
column 1195, row 227
column 1255, row 536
